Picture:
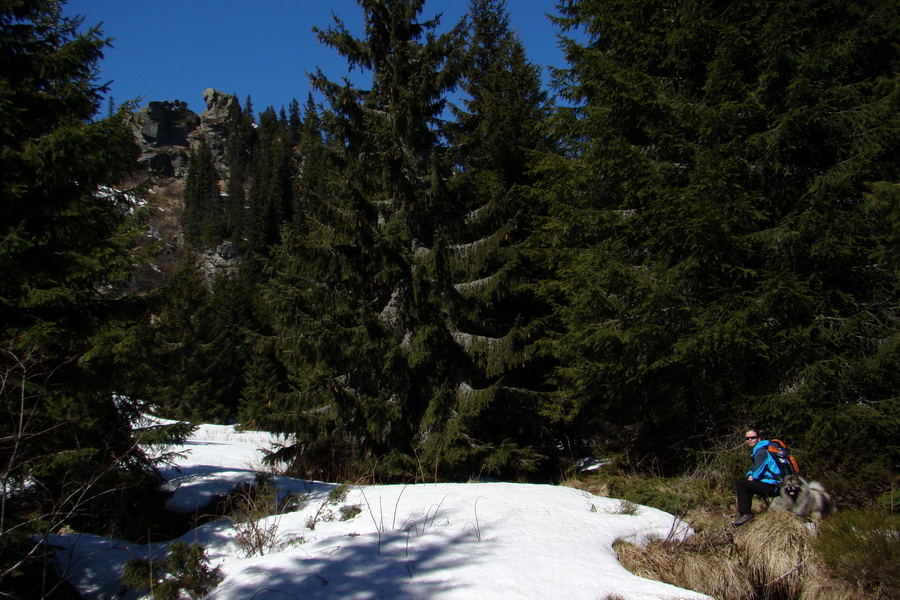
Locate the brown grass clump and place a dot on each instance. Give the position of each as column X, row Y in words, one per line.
column 707, row 562
column 778, row 550
column 773, row 557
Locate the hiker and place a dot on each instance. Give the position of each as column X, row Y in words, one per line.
column 763, row 478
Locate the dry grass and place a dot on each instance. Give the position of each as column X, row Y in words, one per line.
column 772, row 558
column 777, row 547
column 593, row 485
column 779, row 551
column 706, row 565
column 822, row 588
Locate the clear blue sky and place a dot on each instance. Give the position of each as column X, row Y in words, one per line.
column 173, row 50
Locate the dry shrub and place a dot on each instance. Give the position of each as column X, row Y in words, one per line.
column 706, row 562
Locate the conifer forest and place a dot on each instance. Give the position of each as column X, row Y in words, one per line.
column 454, row 271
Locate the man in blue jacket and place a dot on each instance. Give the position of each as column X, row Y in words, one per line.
column 763, row 478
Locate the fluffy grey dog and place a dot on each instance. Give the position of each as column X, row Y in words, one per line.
column 803, row 498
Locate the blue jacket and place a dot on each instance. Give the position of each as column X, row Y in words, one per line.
column 763, row 468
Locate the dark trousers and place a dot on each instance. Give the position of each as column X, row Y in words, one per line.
column 746, row 489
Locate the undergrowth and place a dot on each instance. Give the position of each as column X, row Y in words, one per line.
column 852, row 555
column 677, row 495
column 863, row 547
column 184, row 570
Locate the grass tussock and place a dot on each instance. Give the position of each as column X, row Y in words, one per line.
column 852, row 555
column 777, row 549
column 705, row 563
column 774, row 557
column 592, row 485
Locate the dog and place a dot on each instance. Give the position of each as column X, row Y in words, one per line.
column 807, row 499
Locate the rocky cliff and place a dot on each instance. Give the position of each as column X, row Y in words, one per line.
column 165, row 132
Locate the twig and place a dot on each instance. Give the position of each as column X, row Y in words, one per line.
column 271, row 591
column 372, row 514
column 437, row 509
column 476, row 528
column 396, row 504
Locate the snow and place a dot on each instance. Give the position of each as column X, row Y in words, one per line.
column 500, row 541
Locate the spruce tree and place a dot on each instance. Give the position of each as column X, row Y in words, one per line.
column 270, row 195
column 360, row 300
column 239, row 145
column 203, row 220
column 717, row 259
column 499, row 416
column 67, row 332
column 201, row 344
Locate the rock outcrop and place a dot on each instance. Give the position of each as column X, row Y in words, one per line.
column 214, row 123
column 161, row 130
column 166, row 131
column 224, row 259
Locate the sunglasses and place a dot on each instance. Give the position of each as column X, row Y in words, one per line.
column 752, row 437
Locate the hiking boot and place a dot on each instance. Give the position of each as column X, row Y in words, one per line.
column 742, row 519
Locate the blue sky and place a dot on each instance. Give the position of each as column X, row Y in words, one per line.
column 173, row 50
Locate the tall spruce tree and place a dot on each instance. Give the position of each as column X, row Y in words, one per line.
column 66, row 331
column 315, row 168
column 717, row 257
column 198, row 345
column 499, row 418
column 365, row 302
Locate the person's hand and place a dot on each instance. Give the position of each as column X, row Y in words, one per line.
column 750, row 478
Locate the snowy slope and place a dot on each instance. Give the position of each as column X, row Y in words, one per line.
column 428, row 541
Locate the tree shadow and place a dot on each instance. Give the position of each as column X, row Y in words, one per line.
column 391, row 565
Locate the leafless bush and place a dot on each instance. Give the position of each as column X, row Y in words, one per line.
column 255, row 512
column 45, row 490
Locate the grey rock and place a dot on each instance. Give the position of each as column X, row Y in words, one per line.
column 165, row 124
column 218, row 107
column 166, row 131
column 223, row 259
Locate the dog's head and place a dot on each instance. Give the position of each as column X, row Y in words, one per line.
column 791, row 485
